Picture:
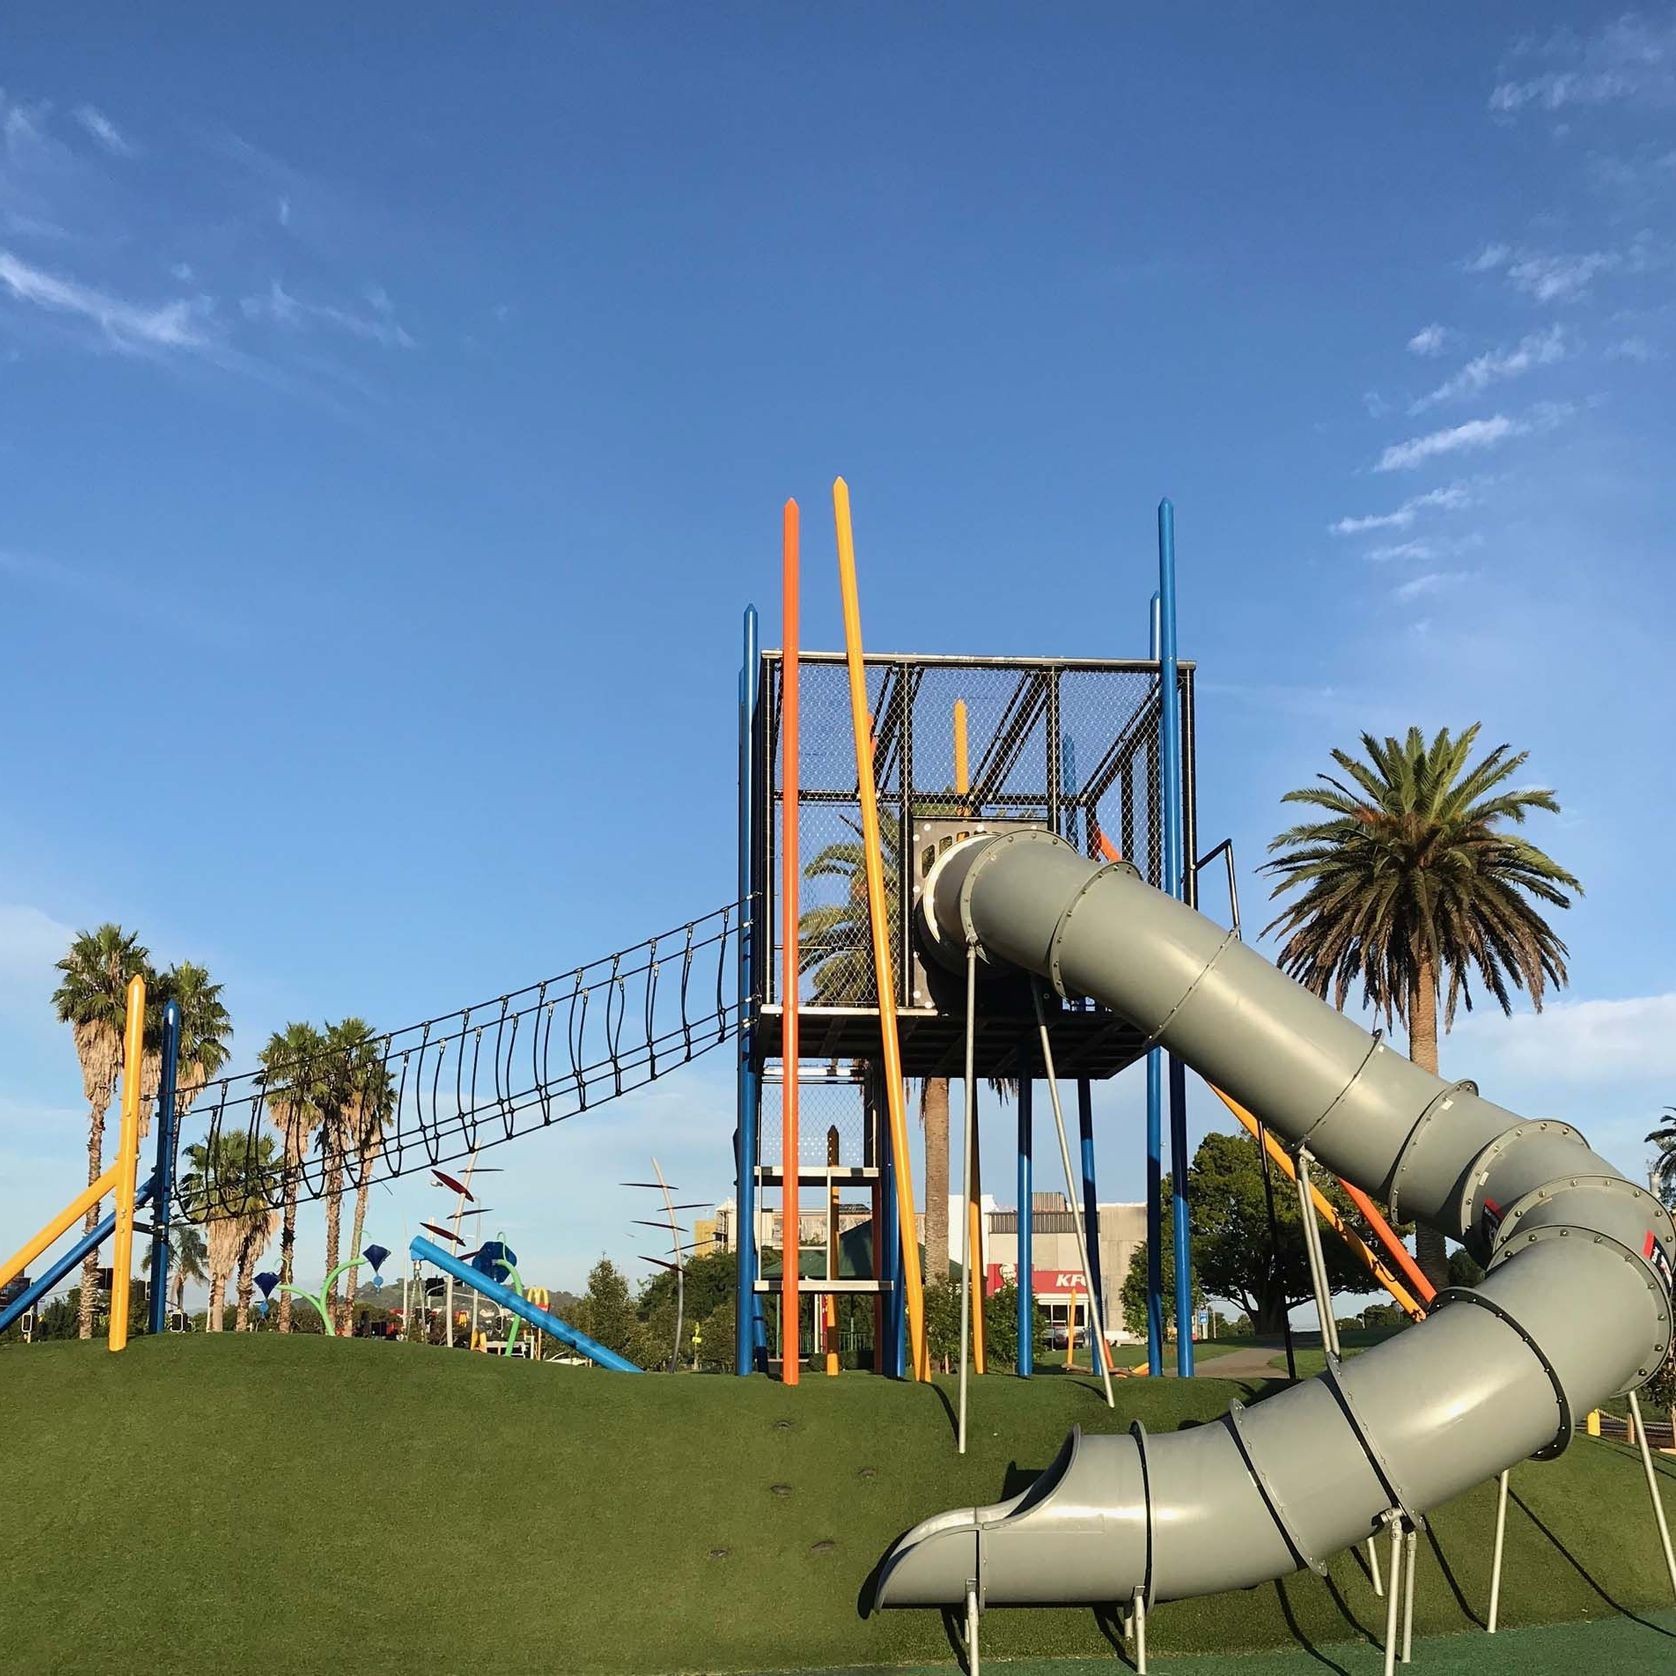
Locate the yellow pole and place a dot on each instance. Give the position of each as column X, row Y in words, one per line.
column 1329, row 1213
column 61, row 1224
column 879, row 914
column 974, row 1181
column 127, row 1162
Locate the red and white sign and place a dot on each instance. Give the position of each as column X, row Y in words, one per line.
column 1044, row 1282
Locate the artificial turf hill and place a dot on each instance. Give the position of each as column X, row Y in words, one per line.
column 267, row 1504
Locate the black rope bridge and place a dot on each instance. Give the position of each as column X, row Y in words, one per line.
column 449, row 1086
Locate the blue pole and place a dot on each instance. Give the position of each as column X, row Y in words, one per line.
column 1175, row 880
column 1026, row 1230
column 163, row 1171
column 893, row 1351
column 44, row 1283
column 746, row 1313
column 1090, row 1198
column 1155, row 1161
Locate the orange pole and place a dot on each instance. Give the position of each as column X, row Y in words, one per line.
column 878, row 913
column 127, row 1164
column 1394, row 1247
column 791, row 1312
column 974, row 1181
column 1324, row 1208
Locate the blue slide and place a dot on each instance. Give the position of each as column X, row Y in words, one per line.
column 421, row 1250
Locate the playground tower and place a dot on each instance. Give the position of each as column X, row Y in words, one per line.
column 1099, row 752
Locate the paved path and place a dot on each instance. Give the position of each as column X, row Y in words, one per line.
column 1255, row 1363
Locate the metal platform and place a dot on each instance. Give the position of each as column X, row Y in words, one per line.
column 1085, row 1044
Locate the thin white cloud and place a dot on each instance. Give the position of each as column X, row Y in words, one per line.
column 1539, row 349
column 1636, row 349
column 124, row 325
column 104, row 131
column 1473, row 435
column 1432, row 582
column 1631, row 1039
column 1491, row 257
column 1429, row 340
column 1402, row 518
column 284, row 309
column 1630, row 60
column 1401, row 550
column 282, row 212
column 1560, row 276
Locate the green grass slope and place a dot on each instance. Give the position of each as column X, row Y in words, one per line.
column 305, row 1504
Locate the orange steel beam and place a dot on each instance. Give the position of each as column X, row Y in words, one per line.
column 1410, row 1305
column 791, row 1243
column 878, row 913
column 60, row 1225
column 127, row 1163
column 974, row 1165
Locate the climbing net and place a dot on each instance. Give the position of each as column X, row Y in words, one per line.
column 452, row 1085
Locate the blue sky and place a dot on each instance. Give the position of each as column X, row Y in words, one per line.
column 397, row 410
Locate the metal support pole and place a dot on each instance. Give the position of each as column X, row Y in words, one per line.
column 1495, row 1555
column 1653, row 1488
column 972, row 1665
column 895, row 1314
column 966, row 1193
column 1154, row 1116
column 163, row 1170
column 1392, row 1596
column 1373, row 1567
column 1411, row 1544
column 1317, row 1258
column 1094, row 1317
column 1026, row 1228
column 791, row 1209
column 1137, row 1618
column 1091, row 1203
column 1155, row 1212
column 745, row 1307
column 1175, row 883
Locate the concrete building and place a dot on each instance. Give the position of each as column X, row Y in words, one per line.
column 1057, row 1267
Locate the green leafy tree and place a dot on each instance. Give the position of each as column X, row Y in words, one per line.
column 1414, row 883
column 1000, row 1328
column 1132, row 1294
column 92, row 998
column 1234, row 1254
column 294, row 1095
column 607, row 1313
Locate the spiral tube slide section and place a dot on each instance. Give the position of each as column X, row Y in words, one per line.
column 1575, row 1306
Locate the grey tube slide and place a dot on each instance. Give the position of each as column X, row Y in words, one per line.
column 1575, row 1307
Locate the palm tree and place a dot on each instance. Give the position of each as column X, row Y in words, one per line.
column 92, row 998
column 364, row 1096
column 1413, row 880
column 294, row 1091
column 205, row 1029
column 188, row 1257
column 355, row 1105
column 223, row 1188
